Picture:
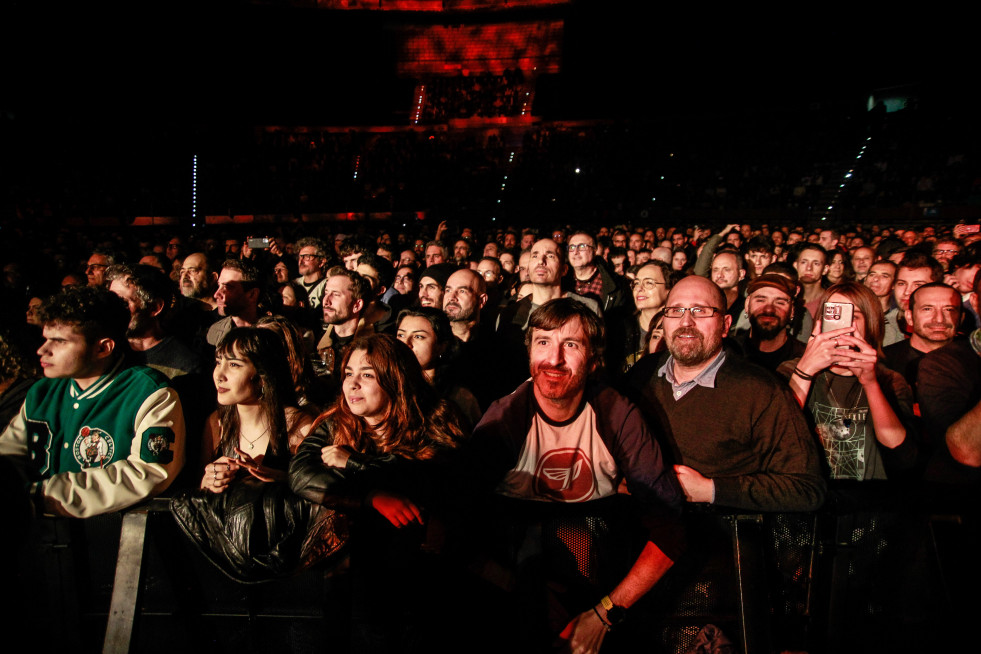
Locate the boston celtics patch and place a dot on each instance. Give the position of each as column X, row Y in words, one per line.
column 155, row 447
column 93, row 448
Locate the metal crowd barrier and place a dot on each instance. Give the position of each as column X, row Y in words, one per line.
column 832, row 581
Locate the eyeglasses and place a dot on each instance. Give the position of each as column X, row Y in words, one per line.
column 486, row 274
column 580, row 247
column 93, row 266
column 946, row 251
column 301, row 257
column 648, row 284
column 696, row 312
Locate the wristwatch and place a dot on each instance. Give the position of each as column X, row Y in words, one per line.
column 615, row 614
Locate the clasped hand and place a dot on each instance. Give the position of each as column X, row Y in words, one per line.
column 840, row 348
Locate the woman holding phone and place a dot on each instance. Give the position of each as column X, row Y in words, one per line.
column 861, row 410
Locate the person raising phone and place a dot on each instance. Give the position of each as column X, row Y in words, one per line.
column 861, row 410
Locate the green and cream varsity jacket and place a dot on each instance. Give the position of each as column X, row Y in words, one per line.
column 102, row 449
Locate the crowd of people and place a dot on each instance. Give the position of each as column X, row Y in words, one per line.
column 431, row 402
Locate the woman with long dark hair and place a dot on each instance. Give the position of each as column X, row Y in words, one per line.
column 244, row 518
column 427, row 332
column 376, row 455
column 257, row 424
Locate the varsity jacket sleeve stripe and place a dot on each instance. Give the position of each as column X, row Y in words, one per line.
column 125, row 482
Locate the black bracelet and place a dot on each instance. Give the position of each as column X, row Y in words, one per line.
column 800, row 373
column 605, row 623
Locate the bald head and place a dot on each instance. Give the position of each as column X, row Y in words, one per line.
column 705, row 288
column 662, row 254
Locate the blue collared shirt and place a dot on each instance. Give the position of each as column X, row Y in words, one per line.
column 705, row 378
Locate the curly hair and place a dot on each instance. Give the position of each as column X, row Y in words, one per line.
column 264, row 350
column 314, row 242
column 151, row 283
column 417, row 423
column 95, row 312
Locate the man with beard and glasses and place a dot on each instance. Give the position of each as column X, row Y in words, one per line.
column 770, row 308
column 738, row 437
column 555, row 452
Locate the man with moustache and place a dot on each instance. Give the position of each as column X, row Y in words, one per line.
column 559, row 447
column 770, row 307
column 738, row 437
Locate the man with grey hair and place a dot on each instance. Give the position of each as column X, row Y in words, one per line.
column 311, row 257
column 592, row 278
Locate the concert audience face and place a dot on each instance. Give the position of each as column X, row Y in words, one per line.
column 434, row 255
column 907, row 281
column 339, row 304
column 196, row 280
column 862, row 260
column 811, row 265
column 430, row 293
column 547, row 263
column 405, row 280
column 95, row 269
column 881, row 278
column 693, row 342
column 934, row 313
column 649, row 289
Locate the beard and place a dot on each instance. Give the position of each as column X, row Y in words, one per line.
column 457, row 313
column 193, row 290
column 691, row 352
column 767, row 330
column 140, row 324
column 336, row 316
